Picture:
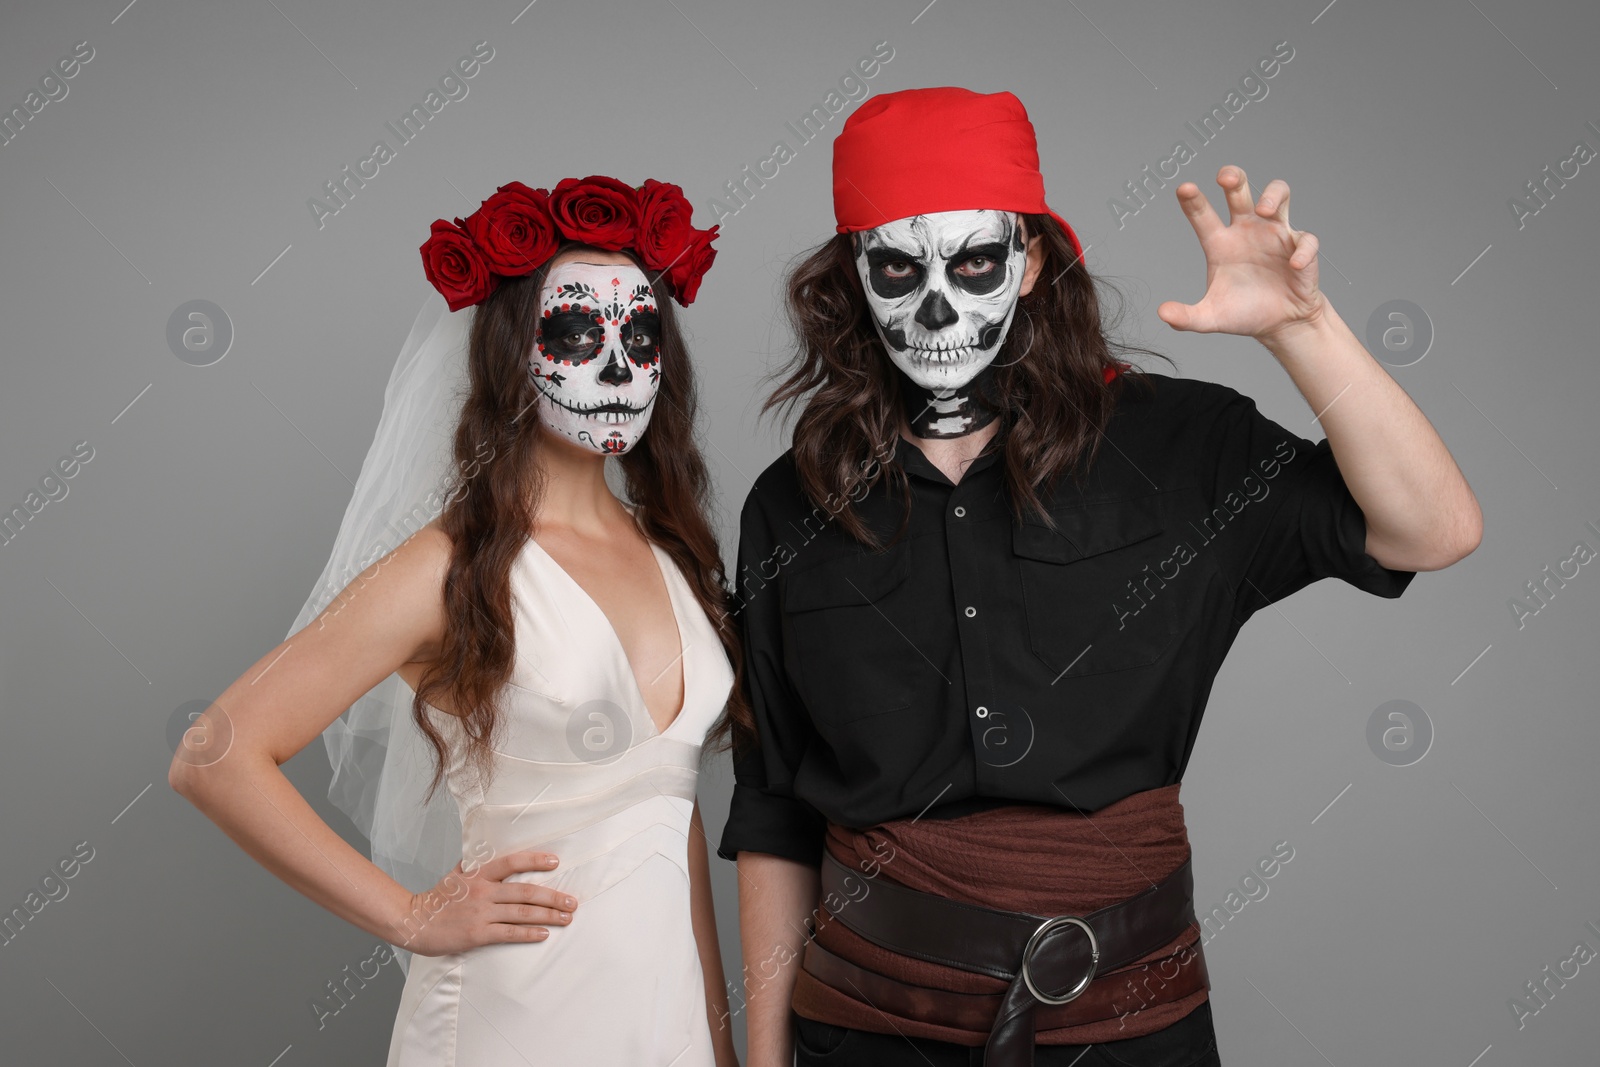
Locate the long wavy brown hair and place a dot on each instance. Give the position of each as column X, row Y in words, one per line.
column 493, row 499
column 1050, row 383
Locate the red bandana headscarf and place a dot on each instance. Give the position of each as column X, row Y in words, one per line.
column 919, row 151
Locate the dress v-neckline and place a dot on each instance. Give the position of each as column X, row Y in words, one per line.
column 656, row 552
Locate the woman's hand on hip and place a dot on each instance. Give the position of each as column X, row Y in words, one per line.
column 479, row 906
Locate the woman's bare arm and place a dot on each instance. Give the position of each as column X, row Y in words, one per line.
column 705, row 935
column 391, row 615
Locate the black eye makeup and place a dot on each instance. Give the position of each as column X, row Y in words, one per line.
column 641, row 337
column 572, row 336
column 893, row 273
column 980, row 269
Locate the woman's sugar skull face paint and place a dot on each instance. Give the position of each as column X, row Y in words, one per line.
column 597, row 358
column 943, row 289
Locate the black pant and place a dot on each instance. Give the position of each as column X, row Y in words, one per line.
column 1189, row 1042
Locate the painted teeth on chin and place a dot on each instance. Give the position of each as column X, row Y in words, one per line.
column 590, row 412
column 593, row 411
column 963, row 346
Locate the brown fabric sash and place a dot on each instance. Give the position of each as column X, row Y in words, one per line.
column 1044, row 959
column 1036, row 859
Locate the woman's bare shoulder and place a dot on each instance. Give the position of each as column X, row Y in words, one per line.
column 430, row 546
column 421, row 563
column 401, row 590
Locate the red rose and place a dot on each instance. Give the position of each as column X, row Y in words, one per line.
column 597, row 211
column 455, row 266
column 513, row 229
column 664, row 228
column 685, row 274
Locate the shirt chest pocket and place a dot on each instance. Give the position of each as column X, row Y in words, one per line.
column 845, row 635
column 1103, row 591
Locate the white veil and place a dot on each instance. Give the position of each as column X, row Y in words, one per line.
column 381, row 762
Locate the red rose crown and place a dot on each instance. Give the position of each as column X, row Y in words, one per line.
column 518, row 229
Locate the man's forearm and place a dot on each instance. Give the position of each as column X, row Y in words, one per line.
column 1420, row 513
column 776, row 896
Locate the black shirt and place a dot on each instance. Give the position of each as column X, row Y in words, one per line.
column 980, row 661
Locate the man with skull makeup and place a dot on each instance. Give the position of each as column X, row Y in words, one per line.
column 974, row 684
column 943, row 289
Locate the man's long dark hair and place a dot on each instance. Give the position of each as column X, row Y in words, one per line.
column 1049, row 379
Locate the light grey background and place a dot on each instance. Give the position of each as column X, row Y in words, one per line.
column 179, row 165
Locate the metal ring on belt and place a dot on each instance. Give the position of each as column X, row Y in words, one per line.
column 989, row 941
column 1033, row 943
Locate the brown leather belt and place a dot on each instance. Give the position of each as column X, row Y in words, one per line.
column 1051, row 962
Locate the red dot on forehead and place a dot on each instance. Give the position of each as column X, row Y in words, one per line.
column 616, row 281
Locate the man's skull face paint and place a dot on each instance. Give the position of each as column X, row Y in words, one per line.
column 597, row 363
column 942, row 289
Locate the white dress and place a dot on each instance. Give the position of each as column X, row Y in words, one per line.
column 580, row 771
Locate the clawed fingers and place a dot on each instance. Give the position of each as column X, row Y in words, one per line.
column 1274, row 201
column 1305, row 250
column 1199, row 211
column 1197, row 318
column 1236, row 187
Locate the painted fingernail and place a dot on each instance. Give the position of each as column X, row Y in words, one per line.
column 569, row 902
column 550, row 861
column 565, row 917
column 540, row 934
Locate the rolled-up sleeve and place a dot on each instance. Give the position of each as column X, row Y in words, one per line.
column 765, row 815
column 1280, row 511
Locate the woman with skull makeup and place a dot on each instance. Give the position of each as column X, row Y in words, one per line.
column 973, row 683
column 554, row 656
